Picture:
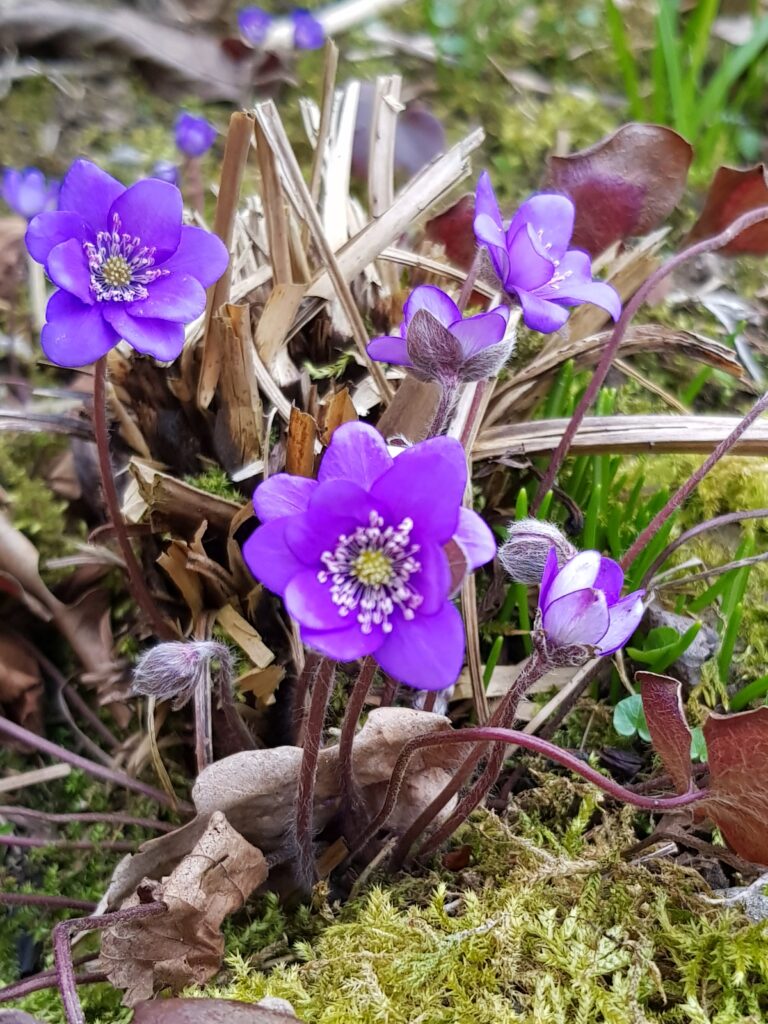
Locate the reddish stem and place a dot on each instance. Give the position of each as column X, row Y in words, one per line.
column 41, row 899
column 136, row 583
column 47, row 979
column 601, row 371
column 85, row 817
column 354, row 709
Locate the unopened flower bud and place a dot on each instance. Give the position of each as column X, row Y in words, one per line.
column 529, row 541
column 172, row 671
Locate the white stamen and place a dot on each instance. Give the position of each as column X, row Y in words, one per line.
column 120, row 265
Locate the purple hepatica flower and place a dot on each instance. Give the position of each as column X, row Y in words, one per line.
column 445, row 344
column 124, row 265
column 532, row 259
column 194, row 135
column 580, row 607
column 359, row 558
column 308, row 32
column 28, row 193
column 166, row 170
column 254, row 24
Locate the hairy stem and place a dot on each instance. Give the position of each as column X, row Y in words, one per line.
column 42, row 981
column 42, row 899
column 137, row 586
column 612, row 346
column 469, row 281
column 504, row 715
column 449, row 388
column 485, row 734
column 324, row 672
column 355, row 705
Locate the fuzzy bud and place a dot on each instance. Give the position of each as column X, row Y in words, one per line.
column 529, row 541
column 172, row 671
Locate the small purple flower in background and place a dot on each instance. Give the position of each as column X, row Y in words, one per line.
column 194, row 135
column 308, row 32
column 532, row 259
column 580, row 607
column 28, row 193
column 125, row 266
column 166, row 170
column 437, row 342
column 254, row 23
column 359, row 557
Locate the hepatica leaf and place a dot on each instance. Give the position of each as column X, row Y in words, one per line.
column 735, row 191
column 629, row 718
column 670, row 734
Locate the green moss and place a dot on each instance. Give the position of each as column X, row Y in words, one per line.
column 215, row 481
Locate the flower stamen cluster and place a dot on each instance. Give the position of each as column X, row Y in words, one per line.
column 369, row 572
column 121, row 267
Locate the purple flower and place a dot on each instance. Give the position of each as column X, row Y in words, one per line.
column 124, row 265
column 308, row 32
column 444, row 344
column 28, row 193
column 533, row 261
column 359, row 557
column 254, row 24
column 579, row 605
column 194, row 135
column 166, row 170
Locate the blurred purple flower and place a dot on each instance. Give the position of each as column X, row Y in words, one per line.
column 580, row 607
column 28, row 193
column 308, row 32
column 166, row 170
column 532, row 259
column 253, row 23
column 440, row 344
column 125, row 267
column 359, row 557
column 194, row 135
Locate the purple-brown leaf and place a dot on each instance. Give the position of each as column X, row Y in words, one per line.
column 626, row 184
column 454, row 230
column 670, row 734
column 735, row 191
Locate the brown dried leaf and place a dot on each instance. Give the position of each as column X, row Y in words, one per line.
column 670, row 734
column 21, row 685
column 339, row 410
column 179, row 507
column 205, row 1011
column 734, row 191
column 626, row 184
column 411, row 412
column 245, row 636
column 300, row 453
column 239, row 417
column 184, row 946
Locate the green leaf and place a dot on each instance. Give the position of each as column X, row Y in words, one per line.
column 629, row 718
column 698, row 745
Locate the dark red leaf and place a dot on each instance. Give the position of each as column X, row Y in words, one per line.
column 626, row 184
column 737, row 750
column 457, row 860
column 206, row 1011
column 454, row 230
column 735, row 191
column 670, row 734
column 419, row 136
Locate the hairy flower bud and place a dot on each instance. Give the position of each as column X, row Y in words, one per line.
column 172, row 671
column 524, row 554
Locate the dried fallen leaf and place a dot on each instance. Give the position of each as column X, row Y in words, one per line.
column 670, row 735
column 626, row 184
column 735, row 191
column 184, row 946
column 21, row 685
column 300, row 453
column 205, row 1011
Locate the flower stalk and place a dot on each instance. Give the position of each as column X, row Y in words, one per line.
column 355, row 705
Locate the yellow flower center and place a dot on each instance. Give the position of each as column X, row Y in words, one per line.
column 372, row 567
column 116, row 272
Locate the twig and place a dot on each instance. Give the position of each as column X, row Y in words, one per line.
column 35, row 842
column 34, row 778
column 85, row 817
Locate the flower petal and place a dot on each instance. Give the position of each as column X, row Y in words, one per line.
column 479, row 332
column 161, row 339
column 551, row 217
column 433, row 582
column 68, row 268
column 177, row 297
column 89, row 192
column 426, row 484
column 434, row 301
column 282, row 495
column 201, row 254
column 475, row 537
column 343, row 644
column 574, row 286
column 48, row 230
column 269, row 558
column 580, row 617
column 75, row 334
column 357, row 452
column 426, row 652
column 609, row 579
column 389, row 348
column 625, row 617
column 530, row 266
column 549, row 574
column 309, row 602
column 578, row 573
column 541, row 315
column 335, row 507
column 489, row 225
column 151, row 210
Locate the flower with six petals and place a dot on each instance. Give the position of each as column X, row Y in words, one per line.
column 532, row 259
column 360, row 556
column 125, row 266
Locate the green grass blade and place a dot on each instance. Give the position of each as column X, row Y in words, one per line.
column 714, row 98
column 628, row 65
column 696, row 39
column 669, row 42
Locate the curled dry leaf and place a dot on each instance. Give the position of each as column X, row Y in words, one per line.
column 184, row 946
column 206, row 1011
column 626, row 184
column 733, row 192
